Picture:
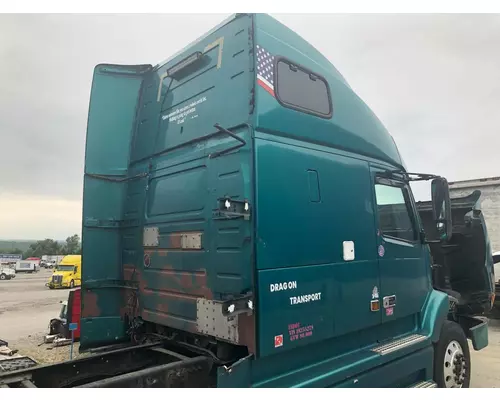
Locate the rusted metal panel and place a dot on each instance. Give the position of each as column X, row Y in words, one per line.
column 167, row 245
column 90, row 307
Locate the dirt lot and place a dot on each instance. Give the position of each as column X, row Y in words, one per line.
column 26, row 307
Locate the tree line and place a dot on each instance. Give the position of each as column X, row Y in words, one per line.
column 72, row 245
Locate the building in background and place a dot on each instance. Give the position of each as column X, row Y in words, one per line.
column 490, row 203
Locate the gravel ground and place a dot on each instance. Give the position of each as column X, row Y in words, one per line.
column 26, row 307
column 32, row 346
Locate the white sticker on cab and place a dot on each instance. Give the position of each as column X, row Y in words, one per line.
column 348, row 247
column 306, row 298
column 278, row 287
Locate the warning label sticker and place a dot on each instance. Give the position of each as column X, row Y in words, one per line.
column 298, row 332
column 179, row 114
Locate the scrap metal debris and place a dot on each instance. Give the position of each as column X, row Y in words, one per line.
column 50, row 338
column 10, row 360
column 6, row 351
column 56, row 340
column 16, row 363
column 61, row 342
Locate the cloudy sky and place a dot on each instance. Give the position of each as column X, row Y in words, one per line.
column 433, row 80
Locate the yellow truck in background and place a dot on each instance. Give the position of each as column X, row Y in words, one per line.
column 67, row 274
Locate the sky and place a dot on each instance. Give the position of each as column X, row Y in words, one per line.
column 433, row 80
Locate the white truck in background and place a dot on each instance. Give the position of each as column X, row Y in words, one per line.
column 27, row 266
column 7, row 272
column 50, row 261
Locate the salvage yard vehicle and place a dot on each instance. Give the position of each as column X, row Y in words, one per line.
column 7, row 273
column 67, row 274
column 249, row 222
column 68, row 314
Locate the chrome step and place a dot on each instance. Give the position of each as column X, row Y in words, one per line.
column 424, row 385
column 398, row 344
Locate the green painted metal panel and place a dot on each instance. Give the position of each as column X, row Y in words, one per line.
column 434, row 313
column 170, row 184
column 353, row 125
column 404, row 269
column 112, row 114
column 323, row 364
column 313, row 264
column 479, row 334
column 308, row 252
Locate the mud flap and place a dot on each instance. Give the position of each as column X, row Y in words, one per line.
column 476, row 329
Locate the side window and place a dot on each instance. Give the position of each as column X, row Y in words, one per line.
column 302, row 90
column 394, row 212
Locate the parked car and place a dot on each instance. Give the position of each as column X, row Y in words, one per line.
column 48, row 264
column 7, row 273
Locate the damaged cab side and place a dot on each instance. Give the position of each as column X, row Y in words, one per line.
column 462, row 263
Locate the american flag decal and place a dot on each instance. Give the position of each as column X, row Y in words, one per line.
column 265, row 69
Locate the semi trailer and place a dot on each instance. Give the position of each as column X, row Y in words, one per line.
column 249, row 222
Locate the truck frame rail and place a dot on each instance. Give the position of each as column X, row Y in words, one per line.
column 148, row 365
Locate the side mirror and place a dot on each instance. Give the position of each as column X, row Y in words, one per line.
column 441, row 207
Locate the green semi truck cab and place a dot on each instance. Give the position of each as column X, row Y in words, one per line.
column 244, row 205
column 245, row 200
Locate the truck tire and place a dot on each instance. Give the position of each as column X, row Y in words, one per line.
column 72, row 284
column 3, row 277
column 452, row 364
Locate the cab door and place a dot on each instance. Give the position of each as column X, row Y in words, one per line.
column 404, row 278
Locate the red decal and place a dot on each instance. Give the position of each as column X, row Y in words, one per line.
column 293, row 326
column 268, row 89
column 298, row 332
column 278, row 341
column 389, row 311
